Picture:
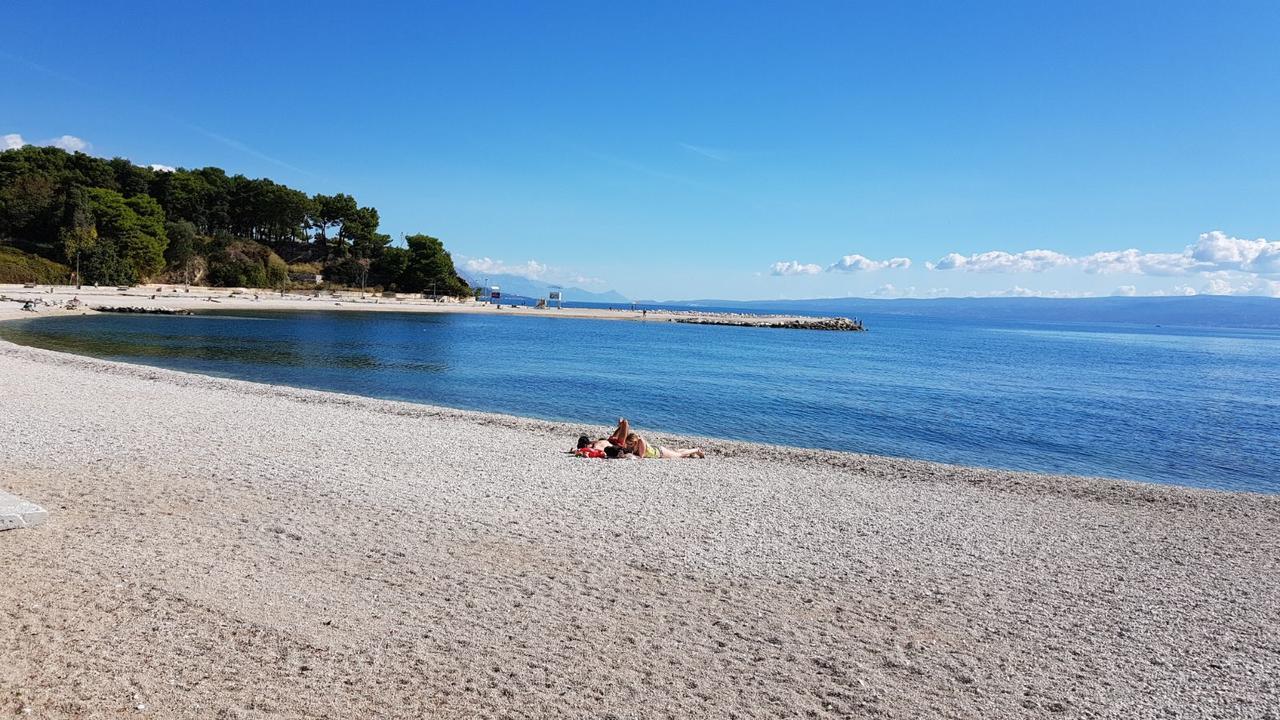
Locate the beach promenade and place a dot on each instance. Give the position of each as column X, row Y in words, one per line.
column 222, row 549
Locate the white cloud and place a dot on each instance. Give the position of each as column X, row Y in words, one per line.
column 1214, row 251
column 1231, row 253
column 1218, row 286
column 860, row 263
column 1125, row 291
column 162, row 168
column 791, row 267
column 1000, row 261
column 848, row 263
column 70, row 143
column 1136, row 262
column 531, row 269
column 1019, row 291
column 1226, row 283
column 1264, row 287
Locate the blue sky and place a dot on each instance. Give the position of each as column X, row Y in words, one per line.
column 734, row 150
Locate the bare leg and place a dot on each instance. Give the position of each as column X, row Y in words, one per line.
column 673, row 454
column 619, row 436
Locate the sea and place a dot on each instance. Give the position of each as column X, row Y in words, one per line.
column 1187, row 406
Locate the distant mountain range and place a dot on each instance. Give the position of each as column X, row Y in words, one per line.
column 519, row 286
column 1198, row 310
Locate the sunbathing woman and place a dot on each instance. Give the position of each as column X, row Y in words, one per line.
column 637, row 446
column 618, row 438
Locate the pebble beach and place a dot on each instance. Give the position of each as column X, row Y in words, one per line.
column 218, row 548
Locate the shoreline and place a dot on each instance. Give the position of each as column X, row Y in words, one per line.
column 1075, row 486
column 1098, row 488
column 224, row 548
column 727, row 447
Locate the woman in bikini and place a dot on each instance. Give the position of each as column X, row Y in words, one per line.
column 637, row 446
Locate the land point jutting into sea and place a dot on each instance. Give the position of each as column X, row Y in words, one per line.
column 605, row 360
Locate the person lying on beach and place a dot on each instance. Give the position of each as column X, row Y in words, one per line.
column 624, row 444
column 586, row 443
column 637, row 446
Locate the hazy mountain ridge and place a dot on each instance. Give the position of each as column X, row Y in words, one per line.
column 520, row 286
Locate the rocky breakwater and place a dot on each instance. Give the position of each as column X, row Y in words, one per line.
column 839, row 324
column 141, row 310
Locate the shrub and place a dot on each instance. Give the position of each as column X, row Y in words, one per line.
column 306, row 268
column 19, row 267
column 242, row 263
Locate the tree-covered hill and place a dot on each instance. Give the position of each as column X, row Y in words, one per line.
column 121, row 223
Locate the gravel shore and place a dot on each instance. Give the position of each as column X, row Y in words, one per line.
column 223, row 549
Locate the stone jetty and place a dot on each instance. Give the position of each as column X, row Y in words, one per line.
column 839, row 324
column 142, row 310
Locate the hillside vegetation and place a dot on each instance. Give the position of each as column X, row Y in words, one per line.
column 19, row 267
column 120, row 223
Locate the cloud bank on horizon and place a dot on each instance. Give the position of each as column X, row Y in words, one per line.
column 529, row 269
column 848, row 263
column 1228, row 266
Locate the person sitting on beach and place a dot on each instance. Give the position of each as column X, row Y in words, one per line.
column 637, row 446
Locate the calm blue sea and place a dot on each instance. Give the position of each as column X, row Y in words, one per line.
column 1185, row 406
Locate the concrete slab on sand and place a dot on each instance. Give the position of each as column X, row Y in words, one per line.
column 18, row 513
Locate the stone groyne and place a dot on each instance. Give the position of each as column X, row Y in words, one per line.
column 839, row 324
column 142, row 310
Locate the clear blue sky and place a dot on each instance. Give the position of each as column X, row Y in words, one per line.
column 679, row 150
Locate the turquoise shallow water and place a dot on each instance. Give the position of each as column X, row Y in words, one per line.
column 1191, row 407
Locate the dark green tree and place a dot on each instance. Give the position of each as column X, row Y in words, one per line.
column 130, row 179
column 79, row 232
column 388, row 269
column 183, row 250
column 133, row 228
column 331, row 211
column 430, row 267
